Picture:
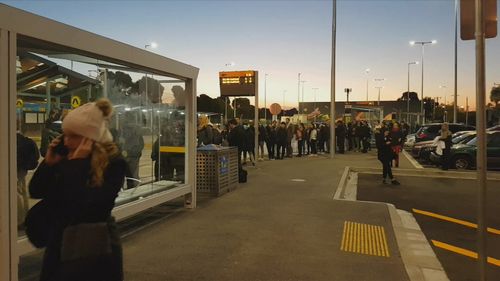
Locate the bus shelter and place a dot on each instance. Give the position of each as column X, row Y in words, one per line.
column 48, row 68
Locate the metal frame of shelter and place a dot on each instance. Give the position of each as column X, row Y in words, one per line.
column 14, row 24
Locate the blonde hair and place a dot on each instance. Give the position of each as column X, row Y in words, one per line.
column 102, row 152
column 203, row 122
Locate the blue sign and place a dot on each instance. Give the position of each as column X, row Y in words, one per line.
column 224, row 165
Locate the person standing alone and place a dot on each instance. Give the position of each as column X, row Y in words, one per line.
column 385, row 155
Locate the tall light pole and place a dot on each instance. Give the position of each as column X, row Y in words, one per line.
column 422, row 43
column 445, row 101
column 303, row 89
column 298, row 93
column 151, row 45
column 283, row 107
column 265, row 97
column 367, row 71
column 378, row 100
column 332, row 82
column 408, row 93
column 456, row 65
column 315, row 90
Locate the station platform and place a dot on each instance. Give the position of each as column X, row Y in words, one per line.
column 283, row 224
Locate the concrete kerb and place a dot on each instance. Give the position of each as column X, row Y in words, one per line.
column 420, row 261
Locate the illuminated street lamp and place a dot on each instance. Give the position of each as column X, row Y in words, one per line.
column 422, row 43
column 152, row 45
column 408, row 93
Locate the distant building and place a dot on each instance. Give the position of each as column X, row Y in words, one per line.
column 399, row 108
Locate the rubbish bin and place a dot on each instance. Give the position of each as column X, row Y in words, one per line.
column 216, row 169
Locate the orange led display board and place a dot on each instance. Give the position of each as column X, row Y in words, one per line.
column 238, row 83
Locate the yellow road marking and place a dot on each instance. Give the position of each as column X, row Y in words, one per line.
column 463, row 252
column 364, row 239
column 457, row 221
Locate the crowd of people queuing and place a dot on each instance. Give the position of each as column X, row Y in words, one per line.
column 312, row 139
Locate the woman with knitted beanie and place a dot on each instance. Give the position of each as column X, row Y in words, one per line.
column 79, row 181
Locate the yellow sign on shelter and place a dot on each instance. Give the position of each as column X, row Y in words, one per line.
column 19, row 103
column 75, row 101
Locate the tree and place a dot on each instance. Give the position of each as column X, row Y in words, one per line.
column 495, row 95
column 413, row 97
column 429, row 105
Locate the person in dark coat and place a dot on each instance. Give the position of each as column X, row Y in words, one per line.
column 340, row 133
column 364, row 134
column 397, row 140
column 384, row 155
column 349, row 135
column 271, row 140
column 299, row 136
column 81, row 188
column 236, row 138
column 131, row 143
column 249, row 147
column 27, row 159
column 307, row 139
column 290, row 132
column 281, row 141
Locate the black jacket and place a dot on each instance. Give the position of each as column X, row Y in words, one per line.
column 70, row 201
column 271, row 135
column 236, row 137
column 205, row 136
column 384, row 149
column 281, row 136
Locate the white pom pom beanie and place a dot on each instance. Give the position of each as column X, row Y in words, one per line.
column 88, row 121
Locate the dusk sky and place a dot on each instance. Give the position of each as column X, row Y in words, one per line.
column 283, row 38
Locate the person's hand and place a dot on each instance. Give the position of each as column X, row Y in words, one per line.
column 52, row 158
column 83, row 150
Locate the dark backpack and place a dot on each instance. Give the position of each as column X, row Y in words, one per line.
column 242, row 174
column 27, row 153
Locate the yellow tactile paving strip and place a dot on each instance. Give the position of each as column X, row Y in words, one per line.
column 364, row 239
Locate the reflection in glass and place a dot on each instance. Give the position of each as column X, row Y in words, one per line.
column 148, row 123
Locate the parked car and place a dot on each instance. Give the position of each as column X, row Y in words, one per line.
column 463, row 156
column 410, row 142
column 494, row 128
column 423, row 149
column 430, row 131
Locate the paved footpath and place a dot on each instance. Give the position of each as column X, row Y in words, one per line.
column 281, row 225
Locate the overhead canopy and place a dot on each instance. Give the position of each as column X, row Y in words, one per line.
column 34, row 72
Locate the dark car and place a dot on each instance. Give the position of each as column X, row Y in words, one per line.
column 430, row 131
column 463, row 156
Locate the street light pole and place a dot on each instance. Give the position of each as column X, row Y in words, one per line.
column 302, row 94
column 265, row 97
column 378, row 100
column 298, row 93
column 367, row 71
column 408, row 94
column 332, row 86
column 315, row 89
column 422, row 43
column 456, row 64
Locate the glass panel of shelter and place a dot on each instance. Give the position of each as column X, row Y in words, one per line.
column 148, row 109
